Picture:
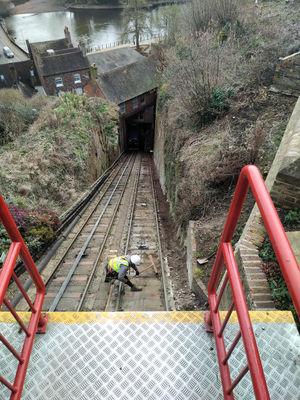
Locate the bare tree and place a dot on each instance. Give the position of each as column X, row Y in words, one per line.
column 5, row 6
column 135, row 19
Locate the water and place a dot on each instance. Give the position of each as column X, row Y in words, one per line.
column 95, row 28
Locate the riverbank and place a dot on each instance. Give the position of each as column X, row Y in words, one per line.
column 37, row 7
column 44, row 6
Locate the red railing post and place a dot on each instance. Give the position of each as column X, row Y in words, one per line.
column 250, row 176
column 37, row 322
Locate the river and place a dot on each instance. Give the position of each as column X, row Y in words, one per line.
column 97, row 28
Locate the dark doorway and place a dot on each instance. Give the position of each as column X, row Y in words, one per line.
column 139, row 133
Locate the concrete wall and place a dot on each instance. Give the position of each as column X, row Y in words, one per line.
column 195, row 282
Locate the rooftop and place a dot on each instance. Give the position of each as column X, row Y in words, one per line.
column 111, row 59
column 42, row 47
column 129, row 81
column 62, row 63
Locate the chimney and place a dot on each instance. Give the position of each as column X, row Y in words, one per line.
column 94, row 72
column 82, row 47
column 67, row 35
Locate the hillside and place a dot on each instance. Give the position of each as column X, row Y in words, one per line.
column 216, row 113
column 49, row 159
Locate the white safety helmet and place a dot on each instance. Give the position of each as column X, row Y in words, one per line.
column 135, row 259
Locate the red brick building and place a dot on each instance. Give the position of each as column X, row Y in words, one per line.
column 60, row 66
column 130, row 80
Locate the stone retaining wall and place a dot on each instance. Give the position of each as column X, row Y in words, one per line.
column 287, row 75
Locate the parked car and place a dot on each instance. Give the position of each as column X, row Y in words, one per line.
column 7, row 52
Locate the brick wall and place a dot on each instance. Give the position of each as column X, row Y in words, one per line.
column 149, row 99
column 51, row 89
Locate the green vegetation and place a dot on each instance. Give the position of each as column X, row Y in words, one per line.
column 217, row 61
column 47, row 157
column 48, row 153
column 279, row 291
column 37, row 227
column 199, row 272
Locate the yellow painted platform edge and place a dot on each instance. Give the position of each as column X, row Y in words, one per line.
column 141, row 317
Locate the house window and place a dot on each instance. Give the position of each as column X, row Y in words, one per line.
column 59, row 82
column 77, row 78
column 79, row 90
column 135, row 103
column 142, row 99
column 122, row 108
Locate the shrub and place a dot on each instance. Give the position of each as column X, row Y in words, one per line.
column 201, row 15
column 37, row 227
column 16, row 114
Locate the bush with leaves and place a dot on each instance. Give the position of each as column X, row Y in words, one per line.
column 16, row 114
column 37, row 227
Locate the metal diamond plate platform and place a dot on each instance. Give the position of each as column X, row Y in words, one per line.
column 137, row 356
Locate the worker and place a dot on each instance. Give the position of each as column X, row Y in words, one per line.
column 117, row 268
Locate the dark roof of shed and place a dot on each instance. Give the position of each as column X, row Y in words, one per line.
column 62, row 63
column 20, row 69
column 58, row 44
column 111, row 59
column 130, row 81
column 8, row 78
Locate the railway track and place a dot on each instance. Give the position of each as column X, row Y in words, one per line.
column 120, row 219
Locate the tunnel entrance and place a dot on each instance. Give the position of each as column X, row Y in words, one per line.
column 139, row 130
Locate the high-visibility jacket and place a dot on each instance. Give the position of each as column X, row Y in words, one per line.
column 114, row 263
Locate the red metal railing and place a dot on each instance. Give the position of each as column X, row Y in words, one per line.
column 250, row 176
column 37, row 322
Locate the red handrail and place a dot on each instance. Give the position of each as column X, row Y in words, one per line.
column 250, row 176
column 37, row 322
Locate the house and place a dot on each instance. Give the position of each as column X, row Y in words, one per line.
column 19, row 75
column 60, row 66
column 130, row 80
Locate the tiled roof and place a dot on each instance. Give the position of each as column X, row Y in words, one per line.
column 17, row 70
column 111, row 59
column 42, row 47
column 62, row 63
column 127, row 82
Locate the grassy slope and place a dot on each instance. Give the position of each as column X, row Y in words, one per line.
column 45, row 164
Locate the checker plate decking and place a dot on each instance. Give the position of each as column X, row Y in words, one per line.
column 137, row 356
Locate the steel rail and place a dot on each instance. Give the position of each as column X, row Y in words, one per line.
column 87, row 218
column 103, row 243
column 157, row 234
column 84, row 247
column 18, row 297
column 88, row 197
column 159, row 245
column 133, row 204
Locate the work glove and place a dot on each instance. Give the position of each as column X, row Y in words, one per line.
column 137, row 273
